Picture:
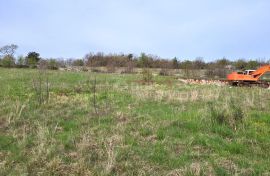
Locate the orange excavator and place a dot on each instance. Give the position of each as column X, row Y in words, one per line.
column 259, row 77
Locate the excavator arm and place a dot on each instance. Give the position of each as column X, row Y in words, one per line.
column 261, row 71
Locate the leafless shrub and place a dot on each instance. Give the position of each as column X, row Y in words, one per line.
column 210, row 73
column 164, row 72
column 111, row 67
column 129, row 68
column 41, row 84
column 216, row 73
column 93, row 87
column 99, row 96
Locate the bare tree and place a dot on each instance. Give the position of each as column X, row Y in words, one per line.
column 8, row 50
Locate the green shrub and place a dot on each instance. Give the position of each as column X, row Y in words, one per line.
column 8, row 61
column 53, row 64
column 231, row 115
column 147, row 75
column 95, row 70
column 32, row 59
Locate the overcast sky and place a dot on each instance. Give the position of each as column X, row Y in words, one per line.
column 183, row 28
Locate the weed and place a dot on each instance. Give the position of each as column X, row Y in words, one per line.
column 231, row 115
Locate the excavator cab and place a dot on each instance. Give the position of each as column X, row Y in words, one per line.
column 248, row 72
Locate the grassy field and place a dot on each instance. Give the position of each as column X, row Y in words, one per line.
column 81, row 123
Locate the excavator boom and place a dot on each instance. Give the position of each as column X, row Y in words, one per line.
column 262, row 70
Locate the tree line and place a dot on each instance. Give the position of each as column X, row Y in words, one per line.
column 33, row 60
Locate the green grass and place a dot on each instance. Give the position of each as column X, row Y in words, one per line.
column 165, row 128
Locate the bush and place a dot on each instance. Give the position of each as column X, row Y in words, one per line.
column 129, row 67
column 78, row 62
column 84, row 69
column 96, row 70
column 53, row 64
column 21, row 66
column 231, row 116
column 111, row 68
column 164, row 72
column 213, row 73
column 210, row 73
column 8, row 61
column 147, row 75
column 32, row 59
